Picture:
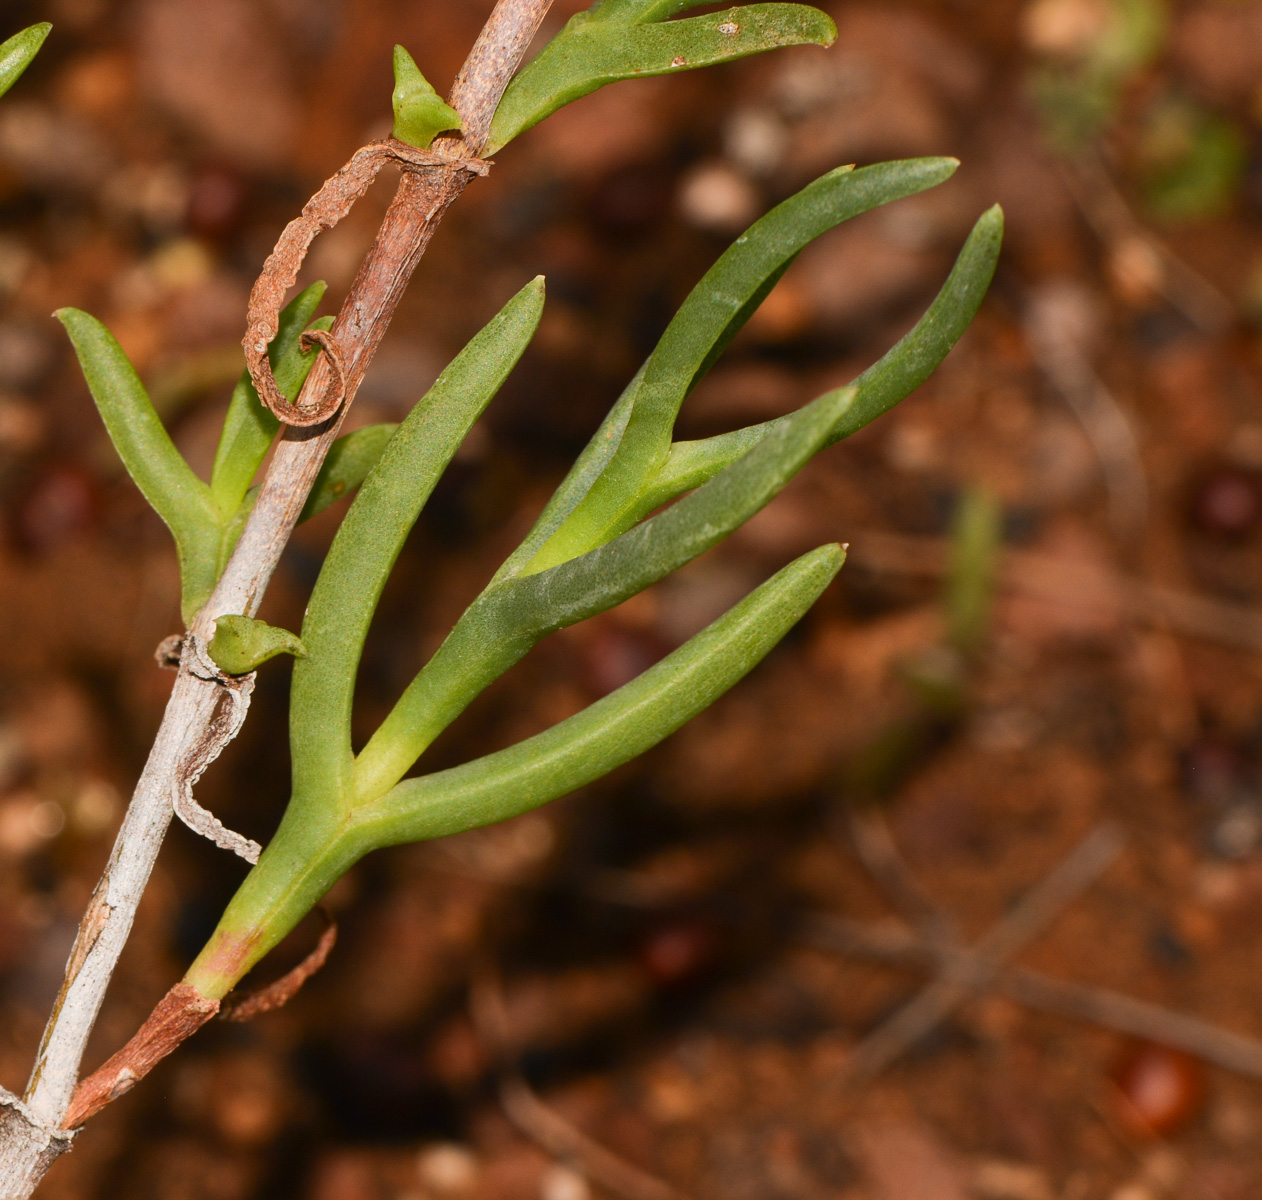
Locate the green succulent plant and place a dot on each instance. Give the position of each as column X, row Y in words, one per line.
column 636, row 505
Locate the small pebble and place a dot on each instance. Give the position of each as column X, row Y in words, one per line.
column 719, row 199
column 218, row 199
column 563, row 1183
column 447, row 1167
column 677, row 952
column 1227, row 503
column 1000, row 1180
column 1159, row 1090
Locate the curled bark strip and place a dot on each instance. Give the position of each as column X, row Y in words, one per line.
column 332, row 401
column 324, row 210
column 206, row 747
column 178, row 1015
column 289, row 984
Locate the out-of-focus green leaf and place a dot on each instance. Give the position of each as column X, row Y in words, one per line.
column 508, row 619
column 181, row 499
column 976, row 541
column 1193, row 161
column 17, row 52
column 349, row 460
column 249, row 427
column 613, row 42
column 242, row 644
column 608, row 733
column 371, row 536
column 420, row 113
column 1080, row 84
column 709, row 318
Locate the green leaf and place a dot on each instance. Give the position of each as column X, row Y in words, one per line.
column 508, row 619
column 17, row 52
column 349, row 460
column 709, row 318
column 419, row 112
column 884, row 384
column 616, row 42
column 311, row 851
column 629, row 11
column 608, row 733
column 976, row 543
column 242, row 644
column 249, row 427
column 181, row 499
column 372, row 534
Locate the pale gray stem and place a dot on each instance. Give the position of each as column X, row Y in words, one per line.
column 30, row 1135
column 492, row 63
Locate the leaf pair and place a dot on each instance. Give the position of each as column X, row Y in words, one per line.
column 206, row 518
column 627, row 39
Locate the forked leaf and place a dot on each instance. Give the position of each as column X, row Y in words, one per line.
column 348, row 462
column 181, row 499
column 507, row 620
column 594, row 49
column 608, row 733
column 249, row 427
column 712, row 314
column 708, row 319
column 17, row 52
column 420, row 113
column 891, row 379
column 243, row 644
column 372, row 534
column 313, row 849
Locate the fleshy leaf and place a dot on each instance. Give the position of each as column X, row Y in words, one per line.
column 348, row 462
column 507, row 620
column 181, row 499
column 242, row 644
column 17, row 52
column 420, row 114
column 604, row 491
column 310, row 852
column 372, row 534
column 613, row 730
column 891, row 379
column 607, row 44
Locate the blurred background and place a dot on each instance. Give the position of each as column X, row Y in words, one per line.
column 1048, row 620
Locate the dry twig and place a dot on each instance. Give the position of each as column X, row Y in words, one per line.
column 977, row 969
column 966, row 971
column 1112, row 221
column 1072, row 585
column 543, row 1124
column 1077, row 1001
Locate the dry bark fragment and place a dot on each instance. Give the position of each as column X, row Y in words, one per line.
column 324, row 210
column 288, row 985
column 204, row 748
